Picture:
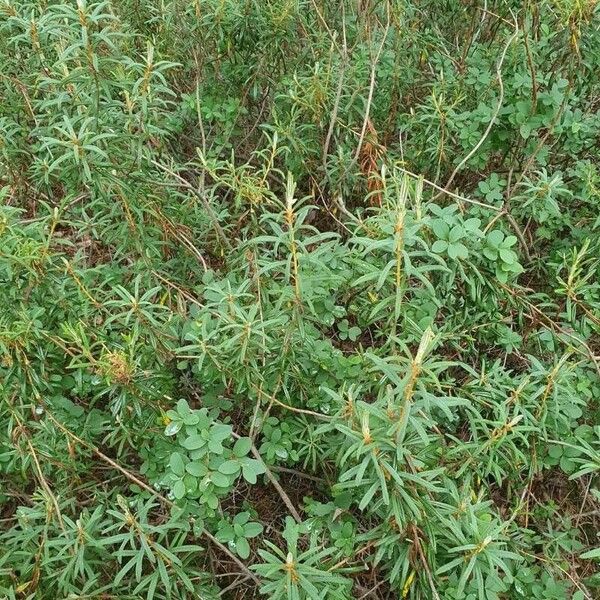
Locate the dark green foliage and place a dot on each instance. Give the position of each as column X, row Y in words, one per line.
column 299, row 298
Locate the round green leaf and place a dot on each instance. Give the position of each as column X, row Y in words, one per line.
column 456, row 233
column 196, row 468
column 194, row 442
column 472, row 224
column 242, row 547
column 173, row 427
column 177, row 464
column 179, row 489
column 252, row 529
column 495, row 237
column 191, row 419
column 249, row 475
column 219, row 479
column 439, row 246
column 490, row 253
column 508, row 256
column 242, row 447
column 229, row 467
column 183, row 408
column 215, row 446
column 241, row 517
column 440, row 228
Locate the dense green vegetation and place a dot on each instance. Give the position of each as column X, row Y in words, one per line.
column 299, row 298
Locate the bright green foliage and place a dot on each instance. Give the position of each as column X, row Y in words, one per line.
column 299, row 299
column 300, row 574
column 238, row 532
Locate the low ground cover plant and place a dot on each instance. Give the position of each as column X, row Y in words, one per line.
column 299, row 299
